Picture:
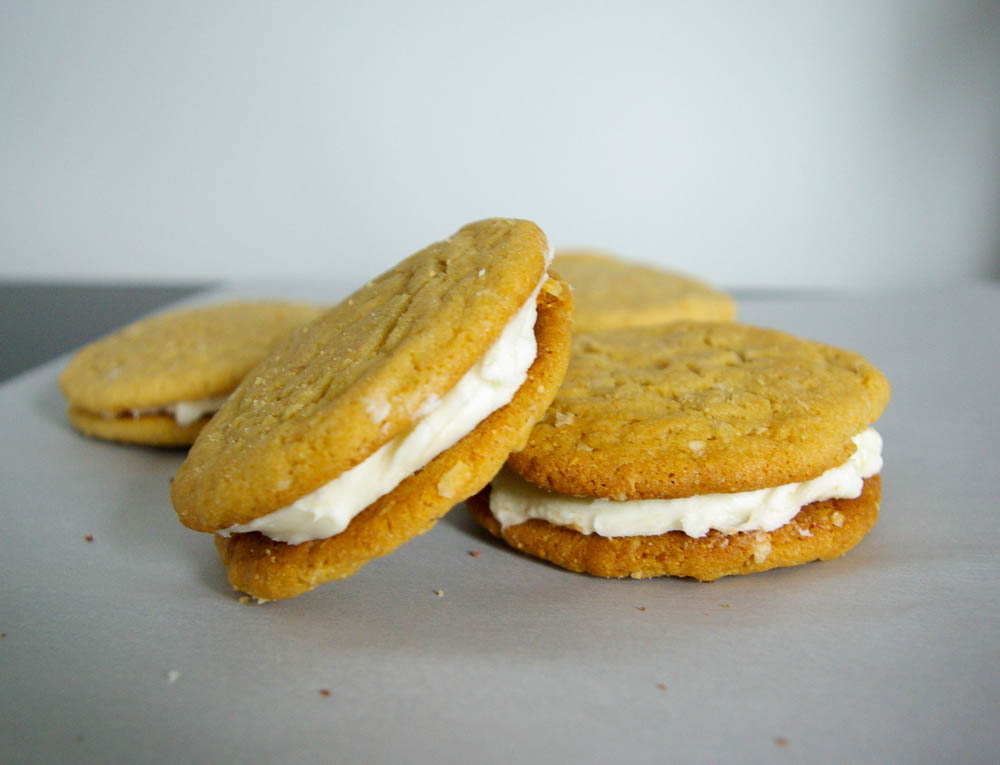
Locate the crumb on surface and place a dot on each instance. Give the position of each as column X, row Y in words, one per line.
column 474, row 553
column 172, row 676
column 662, row 686
column 640, row 608
column 325, row 692
column 781, row 741
column 252, row 600
column 439, row 593
column 88, row 538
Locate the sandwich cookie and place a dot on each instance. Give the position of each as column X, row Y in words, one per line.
column 361, row 430
column 609, row 292
column 696, row 449
column 159, row 380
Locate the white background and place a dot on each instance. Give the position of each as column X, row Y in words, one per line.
column 844, row 144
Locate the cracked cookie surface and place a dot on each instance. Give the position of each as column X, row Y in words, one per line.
column 697, row 407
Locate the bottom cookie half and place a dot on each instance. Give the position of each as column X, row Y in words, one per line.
column 148, row 430
column 820, row 531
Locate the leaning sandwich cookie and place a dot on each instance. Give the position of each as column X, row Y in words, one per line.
column 158, row 380
column 362, row 429
column 696, row 449
column 611, row 292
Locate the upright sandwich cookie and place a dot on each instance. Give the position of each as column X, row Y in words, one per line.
column 157, row 381
column 609, row 292
column 696, row 449
column 361, row 430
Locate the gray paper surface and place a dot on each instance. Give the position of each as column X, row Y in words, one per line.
column 133, row 648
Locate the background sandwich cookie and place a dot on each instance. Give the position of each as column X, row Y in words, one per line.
column 361, row 430
column 609, row 292
column 157, row 381
column 697, row 449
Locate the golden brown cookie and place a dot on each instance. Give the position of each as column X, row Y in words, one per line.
column 728, row 422
column 158, row 380
column 357, row 382
column 610, row 292
column 821, row 531
column 698, row 407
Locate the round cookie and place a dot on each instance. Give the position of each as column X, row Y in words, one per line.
column 693, row 407
column 272, row 570
column 145, row 430
column 124, row 386
column 821, row 531
column 698, row 409
column 362, row 376
column 609, row 292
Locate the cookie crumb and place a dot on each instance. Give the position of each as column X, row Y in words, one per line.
column 452, row 481
column 724, row 605
column 3, row 635
column 325, row 692
column 88, row 538
column 252, row 600
column 781, row 741
column 377, row 408
column 172, row 676
column 761, row 548
column 662, row 686
column 640, row 608
column 474, row 553
column 439, row 593
column 564, row 418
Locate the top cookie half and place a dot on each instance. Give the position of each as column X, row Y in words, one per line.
column 693, row 408
column 334, row 392
column 610, row 292
column 181, row 355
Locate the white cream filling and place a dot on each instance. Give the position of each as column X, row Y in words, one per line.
column 513, row 500
column 442, row 422
column 183, row 412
